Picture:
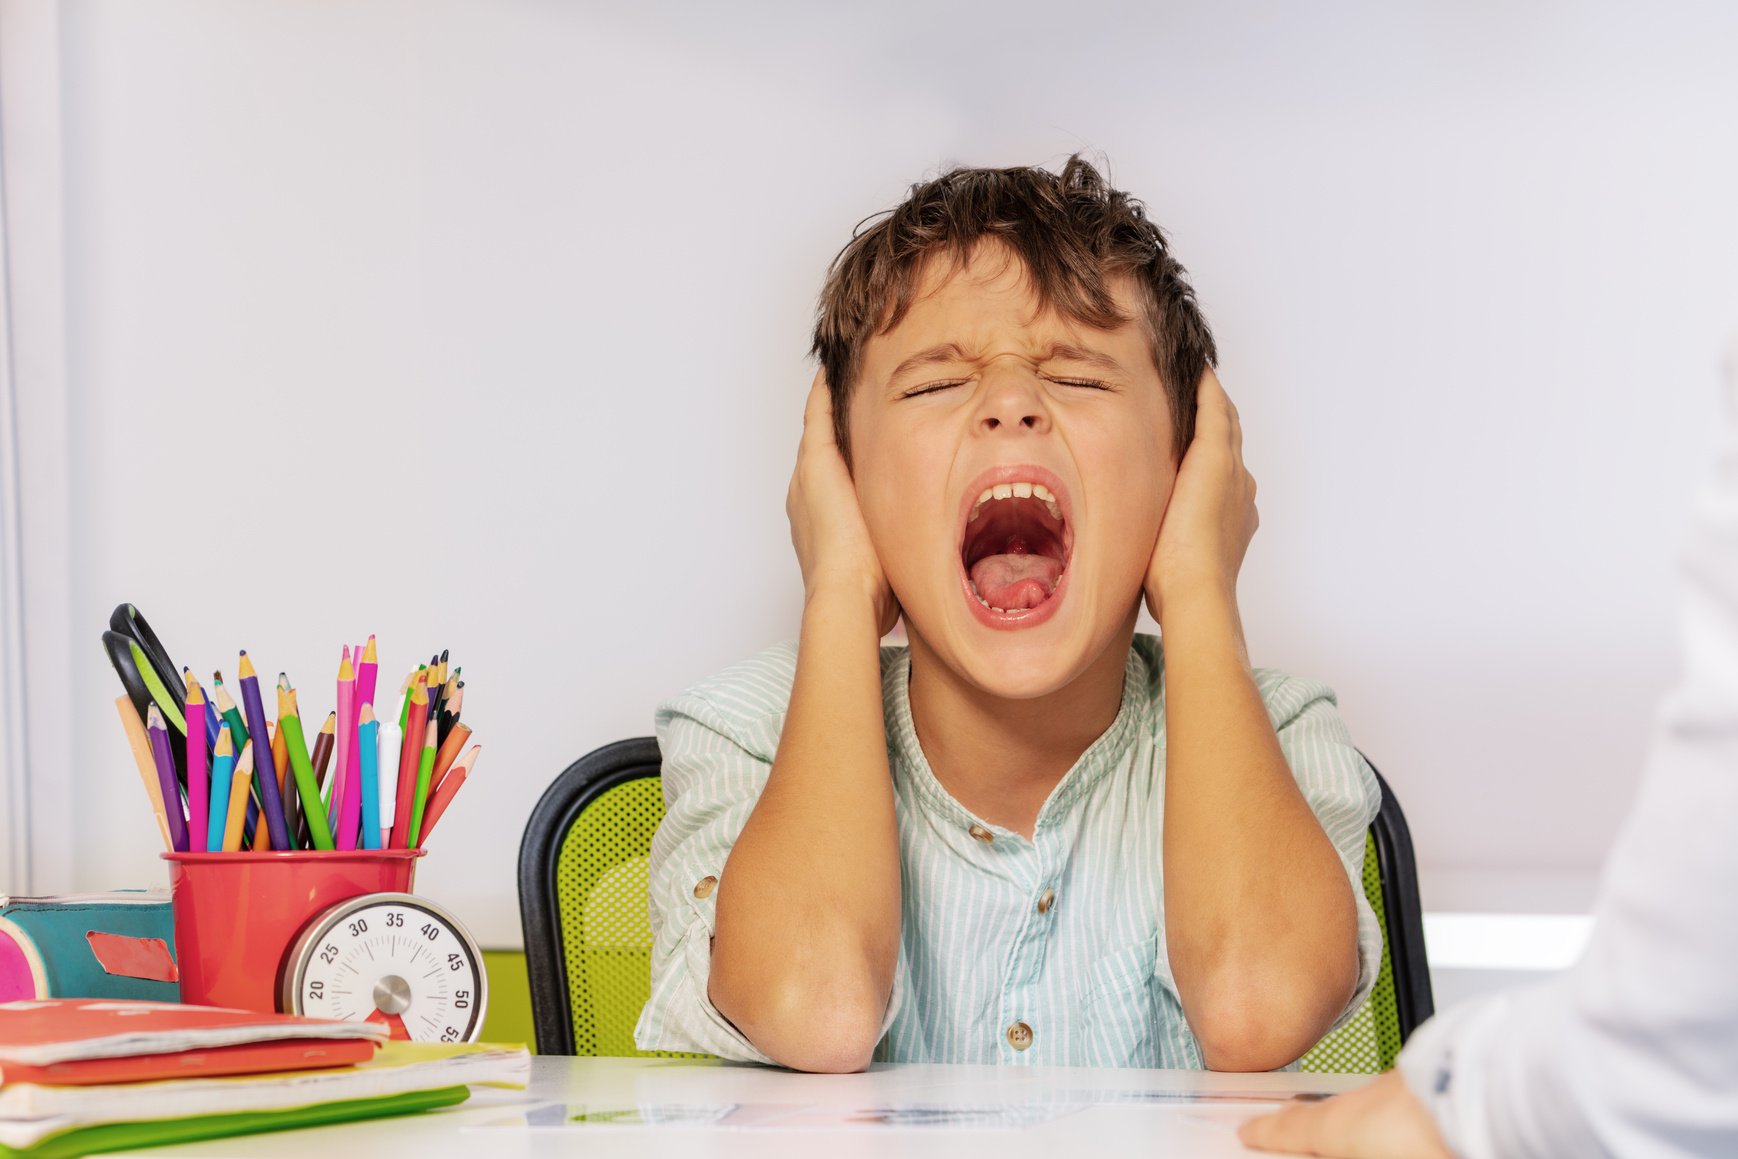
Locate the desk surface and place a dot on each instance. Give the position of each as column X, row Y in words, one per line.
column 655, row 1107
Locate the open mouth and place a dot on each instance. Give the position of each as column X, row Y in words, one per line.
column 1015, row 548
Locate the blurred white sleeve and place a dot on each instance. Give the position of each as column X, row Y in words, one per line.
column 1633, row 1052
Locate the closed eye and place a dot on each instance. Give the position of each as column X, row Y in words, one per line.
column 1085, row 383
column 931, row 388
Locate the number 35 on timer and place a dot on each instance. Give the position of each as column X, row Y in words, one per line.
column 391, row 958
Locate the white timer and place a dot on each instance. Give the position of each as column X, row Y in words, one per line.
column 391, row 958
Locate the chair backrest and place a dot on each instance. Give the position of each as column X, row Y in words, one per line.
column 1369, row 1041
column 582, row 901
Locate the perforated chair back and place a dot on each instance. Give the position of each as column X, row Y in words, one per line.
column 584, row 907
column 583, row 900
column 1369, row 1041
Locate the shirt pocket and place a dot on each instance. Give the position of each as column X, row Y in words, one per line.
column 1118, row 1016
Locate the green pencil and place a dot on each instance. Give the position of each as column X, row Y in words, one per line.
column 404, row 709
column 424, row 773
column 290, row 724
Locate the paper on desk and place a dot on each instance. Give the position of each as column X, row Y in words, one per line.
column 788, row 1116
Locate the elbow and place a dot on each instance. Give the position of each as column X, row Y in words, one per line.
column 1260, row 1024
column 829, row 1027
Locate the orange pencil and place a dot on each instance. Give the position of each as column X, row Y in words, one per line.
column 449, row 752
column 242, row 776
column 449, row 789
column 141, row 746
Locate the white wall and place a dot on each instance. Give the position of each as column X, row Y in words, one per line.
column 549, row 268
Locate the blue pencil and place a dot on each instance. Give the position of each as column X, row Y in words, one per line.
column 222, row 764
column 368, row 765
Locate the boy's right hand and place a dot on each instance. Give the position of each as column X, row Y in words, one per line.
column 827, row 528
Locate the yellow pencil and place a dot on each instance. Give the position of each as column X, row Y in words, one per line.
column 141, row 746
column 242, row 776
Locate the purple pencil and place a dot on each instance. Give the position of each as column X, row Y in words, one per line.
column 198, row 775
column 165, row 762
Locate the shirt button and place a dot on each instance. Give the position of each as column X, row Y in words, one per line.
column 979, row 833
column 1019, row 1036
column 704, row 887
column 1046, row 900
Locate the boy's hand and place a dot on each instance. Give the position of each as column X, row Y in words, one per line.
column 1211, row 516
column 827, row 527
column 1381, row 1121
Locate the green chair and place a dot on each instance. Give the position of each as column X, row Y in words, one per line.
column 582, row 900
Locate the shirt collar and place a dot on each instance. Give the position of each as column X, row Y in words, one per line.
column 1102, row 755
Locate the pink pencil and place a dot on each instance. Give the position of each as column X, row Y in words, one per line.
column 367, row 673
column 347, row 791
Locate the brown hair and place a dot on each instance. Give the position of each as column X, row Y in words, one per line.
column 1073, row 233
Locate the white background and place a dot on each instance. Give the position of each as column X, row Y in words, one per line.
column 482, row 326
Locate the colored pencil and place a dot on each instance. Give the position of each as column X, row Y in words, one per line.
column 287, row 786
column 296, row 745
column 238, row 799
column 141, row 746
column 213, row 722
column 367, row 673
column 424, row 770
column 391, row 744
column 410, row 754
column 449, row 713
column 449, row 789
column 368, row 775
column 346, row 800
column 448, row 753
column 323, row 745
column 164, row 757
column 222, row 769
column 271, row 799
column 198, row 771
column 404, row 708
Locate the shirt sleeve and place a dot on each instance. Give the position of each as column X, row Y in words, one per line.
column 1634, row 1050
column 711, row 782
column 1340, row 788
column 714, row 768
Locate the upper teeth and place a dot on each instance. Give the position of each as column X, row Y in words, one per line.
column 1021, row 490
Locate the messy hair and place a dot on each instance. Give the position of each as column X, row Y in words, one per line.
column 1074, row 235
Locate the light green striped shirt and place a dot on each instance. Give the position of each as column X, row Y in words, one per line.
column 1062, row 934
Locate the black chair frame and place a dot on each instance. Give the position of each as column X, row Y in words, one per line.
column 539, row 902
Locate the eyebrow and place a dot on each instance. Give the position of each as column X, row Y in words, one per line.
column 954, row 352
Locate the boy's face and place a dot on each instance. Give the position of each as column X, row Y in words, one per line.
column 1067, row 430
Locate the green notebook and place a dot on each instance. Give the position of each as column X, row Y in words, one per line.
column 157, row 1132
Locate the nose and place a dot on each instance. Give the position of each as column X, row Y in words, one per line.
column 1010, row 399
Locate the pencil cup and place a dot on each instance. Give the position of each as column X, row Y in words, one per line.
column 237, row 913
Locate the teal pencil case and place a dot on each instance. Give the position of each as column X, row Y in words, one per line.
column 93, row 945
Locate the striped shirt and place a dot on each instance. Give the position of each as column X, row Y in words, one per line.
column 1041, row 950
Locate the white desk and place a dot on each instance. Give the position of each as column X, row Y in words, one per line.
column 1080, row 1113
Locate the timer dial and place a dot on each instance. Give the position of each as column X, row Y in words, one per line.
column 391, row 958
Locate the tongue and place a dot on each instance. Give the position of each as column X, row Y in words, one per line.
column 1016, row 582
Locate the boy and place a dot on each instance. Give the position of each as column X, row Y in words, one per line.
column 1032, row 836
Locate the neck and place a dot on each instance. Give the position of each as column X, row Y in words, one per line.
column 998, row 757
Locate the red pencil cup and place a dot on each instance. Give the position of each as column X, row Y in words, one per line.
column 237, row 913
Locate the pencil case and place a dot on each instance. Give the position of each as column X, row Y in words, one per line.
column 94, row 945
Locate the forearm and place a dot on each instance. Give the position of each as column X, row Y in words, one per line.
column 1260, row 919
column 808, row 904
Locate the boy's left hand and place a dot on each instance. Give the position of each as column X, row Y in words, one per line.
column 1211, row 515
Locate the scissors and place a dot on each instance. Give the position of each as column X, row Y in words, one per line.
column 148, row 676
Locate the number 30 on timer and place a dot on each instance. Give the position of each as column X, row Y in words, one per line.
column 391, row 958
